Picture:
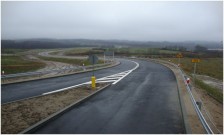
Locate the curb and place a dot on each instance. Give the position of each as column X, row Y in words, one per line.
column 183, row 108
column 53, row 116
column 118, row 63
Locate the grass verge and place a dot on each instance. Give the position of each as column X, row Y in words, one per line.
column 213, row 65
column 208, row 66
column 214, row 92
column 78, row 51
column 13, row 51
column 15, row 64
column 70, row 61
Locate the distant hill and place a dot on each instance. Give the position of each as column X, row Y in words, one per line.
column 68, row 43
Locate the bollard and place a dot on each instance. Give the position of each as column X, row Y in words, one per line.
column 93, row 79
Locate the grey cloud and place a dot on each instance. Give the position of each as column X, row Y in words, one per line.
column 155, row 21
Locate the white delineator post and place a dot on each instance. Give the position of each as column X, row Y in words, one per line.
column 188, row 81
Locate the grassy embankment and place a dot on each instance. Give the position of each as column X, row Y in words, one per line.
column 70, row 61
column 208, row 66
column 15, row 64
column 78, row 51
column 13, row 51
column 214, row 92
column 125, row 51
column 142, row 51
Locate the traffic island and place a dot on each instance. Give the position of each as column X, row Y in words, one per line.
column 20, row 115
column 56, row 74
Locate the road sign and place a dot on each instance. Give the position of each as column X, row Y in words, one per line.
column 93, row 59
column 179, row 55
column 109, row 53
column 195, row 60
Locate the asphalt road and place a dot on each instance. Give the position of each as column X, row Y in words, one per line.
column 12, row 92
column 146, row 101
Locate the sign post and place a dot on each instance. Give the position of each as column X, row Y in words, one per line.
column 93, row 60
column 179, row 55
column 195, row 61
column 104, row 57
column 109, row 53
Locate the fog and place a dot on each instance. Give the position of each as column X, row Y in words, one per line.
column 141, row 21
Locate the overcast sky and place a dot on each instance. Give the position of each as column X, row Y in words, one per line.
column 142, row 21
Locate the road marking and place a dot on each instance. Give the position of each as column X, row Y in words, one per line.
column 65, row 88
column 115, row 78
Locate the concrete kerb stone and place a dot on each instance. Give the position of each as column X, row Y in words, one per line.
column 116, row 64
column 59, row 113
column 183, row 109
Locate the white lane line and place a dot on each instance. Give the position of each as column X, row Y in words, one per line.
column 105, row 81
column 65, row 88
column 117, row 77
column 108, row 79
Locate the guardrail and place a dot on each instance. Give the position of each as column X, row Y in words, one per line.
column 200, row 115
column 53, row 70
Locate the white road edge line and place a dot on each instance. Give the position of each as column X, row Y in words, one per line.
column 65, row 88
column 128, row 72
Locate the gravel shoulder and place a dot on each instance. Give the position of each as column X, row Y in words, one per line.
column 17, row 116
column 211, row 109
